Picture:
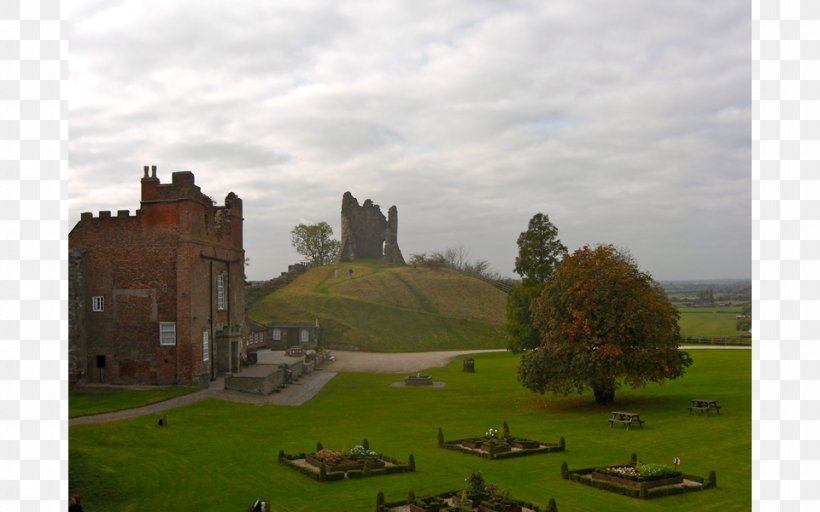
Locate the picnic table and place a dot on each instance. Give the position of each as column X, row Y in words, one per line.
column 627, row 418
column 704, row 406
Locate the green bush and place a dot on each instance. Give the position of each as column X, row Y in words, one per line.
column 379, row 501
column 411, row 463
column 712, row 479
column 440, row 437
column 564, row 470
column 355, row 473
column 334, row 476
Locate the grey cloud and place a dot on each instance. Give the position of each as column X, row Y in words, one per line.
column 626, row 123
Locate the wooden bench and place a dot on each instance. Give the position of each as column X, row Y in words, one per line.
column 626, row 418
column 704, row 406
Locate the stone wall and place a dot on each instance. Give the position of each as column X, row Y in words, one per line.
column 367, row 234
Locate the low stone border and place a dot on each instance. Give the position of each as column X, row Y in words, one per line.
column 515, row 448
column 402, row 384
column 387, row 466
column 640, row 489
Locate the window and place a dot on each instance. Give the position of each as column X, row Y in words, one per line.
column 97, row 303
column 277, row 334
column 304, row 335
column 205, row 346
column 220, row 291
column 167, row 333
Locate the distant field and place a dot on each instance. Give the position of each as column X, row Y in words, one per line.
column 709, row 322
column 392, row 309
column 221, row 456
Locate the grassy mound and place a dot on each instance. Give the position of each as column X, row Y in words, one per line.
column 391, row 309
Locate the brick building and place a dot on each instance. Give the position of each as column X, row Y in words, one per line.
column 157, row 297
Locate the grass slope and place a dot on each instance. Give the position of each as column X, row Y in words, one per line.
column 392, row 309
column 220, row 456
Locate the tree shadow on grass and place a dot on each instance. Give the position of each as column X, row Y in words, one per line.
column 587, row 404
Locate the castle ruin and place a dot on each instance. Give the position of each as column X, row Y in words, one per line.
column 366, row 234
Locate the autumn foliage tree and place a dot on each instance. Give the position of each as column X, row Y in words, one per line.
column 602, row 322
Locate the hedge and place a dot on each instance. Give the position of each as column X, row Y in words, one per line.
column 578, row 475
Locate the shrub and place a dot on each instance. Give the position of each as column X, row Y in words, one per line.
column 319, row 446
column 712, row 479
column 506, row 430
column 323, row 472
column 411, row 463
column 551, row 506
column 355, row 473
column 562, row 443
column 633, row 460
column 281, row 455
column 379, row 501
column 411, row 497
column 440, row 437
column 644, row 492
column 334, row 476
column 564, row 470
column 366, row 444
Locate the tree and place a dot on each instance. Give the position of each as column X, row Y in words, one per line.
column 314, row 242
column 539, row 250
column 521, row 334
column 744, row 320
column 602, row 321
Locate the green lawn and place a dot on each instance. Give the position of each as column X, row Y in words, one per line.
column 92, row 400
column 220, row 456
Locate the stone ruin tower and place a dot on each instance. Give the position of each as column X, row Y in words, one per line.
column 366, row 234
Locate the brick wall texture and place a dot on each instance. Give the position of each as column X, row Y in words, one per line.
column 165, row 263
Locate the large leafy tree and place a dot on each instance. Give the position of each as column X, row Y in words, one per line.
column 315, row 243
column 602, row 321
column 539, row 250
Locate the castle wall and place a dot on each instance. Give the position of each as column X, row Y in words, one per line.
column 160, row 265
column 366, row 233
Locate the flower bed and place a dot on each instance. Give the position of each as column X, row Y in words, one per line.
column 329, row 465
column 635, row 484
column 643, row 481
column 478, row 497
column 502, row 448
column 418, row 380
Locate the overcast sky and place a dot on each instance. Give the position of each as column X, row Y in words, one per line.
column 625, row 122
